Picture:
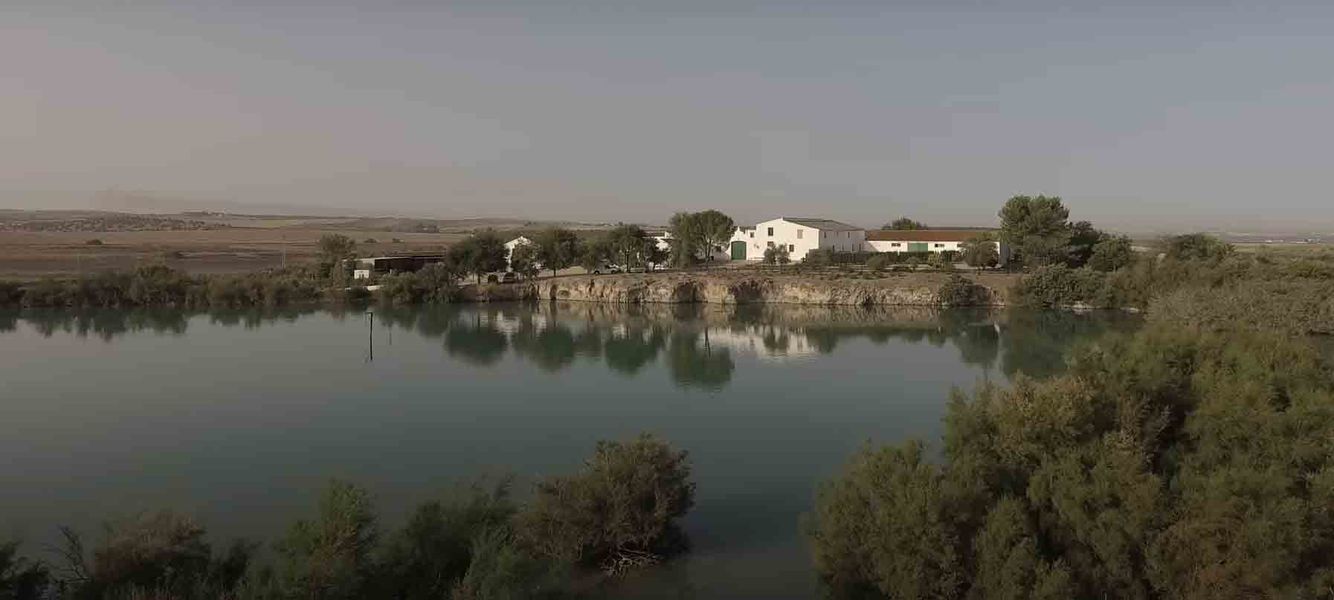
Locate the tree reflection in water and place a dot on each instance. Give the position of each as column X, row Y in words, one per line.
column 698, row 344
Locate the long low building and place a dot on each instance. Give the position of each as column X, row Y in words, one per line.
column 928, row 240
column 366, row 268
column 800, row 235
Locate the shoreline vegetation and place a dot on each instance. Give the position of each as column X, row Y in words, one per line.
column 1171, row 462
column 1193, row 458
column 568, row 537
column 1192, row 279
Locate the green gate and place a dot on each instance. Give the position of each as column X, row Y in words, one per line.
column 738, row 251
column 918, row 247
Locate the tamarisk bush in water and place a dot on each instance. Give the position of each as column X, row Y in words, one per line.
column 618, row 513
column 1175, row 463
column 474, row 543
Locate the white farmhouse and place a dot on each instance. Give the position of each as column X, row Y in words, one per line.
column 511, row 245
column 797, row 235
column 927, row 240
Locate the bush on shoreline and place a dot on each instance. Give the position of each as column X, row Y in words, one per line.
column 1177, row 463
column 620, row 513
column 1198, row 280
column 962, row 291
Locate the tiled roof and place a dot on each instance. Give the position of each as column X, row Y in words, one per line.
column 923, row 235
column 825, row 224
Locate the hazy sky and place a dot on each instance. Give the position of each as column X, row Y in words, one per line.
column 1181, row 113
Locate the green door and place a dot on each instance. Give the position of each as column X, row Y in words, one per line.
column 738, row 251
column 918, row 247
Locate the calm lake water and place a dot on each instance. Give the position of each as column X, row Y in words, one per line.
column 240, row 418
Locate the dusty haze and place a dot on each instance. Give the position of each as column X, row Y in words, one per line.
column 1172, row 115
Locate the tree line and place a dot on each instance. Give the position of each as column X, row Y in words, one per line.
column 1193, row 278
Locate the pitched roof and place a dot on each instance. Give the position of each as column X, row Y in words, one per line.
column 924, row 235
column 825, row 224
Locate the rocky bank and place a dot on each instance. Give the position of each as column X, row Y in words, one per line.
column 915, row 289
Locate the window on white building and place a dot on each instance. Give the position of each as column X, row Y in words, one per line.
column 896, row 245
column 799, row 232
column 940, row 245
column 771, row 232
column 791, row 247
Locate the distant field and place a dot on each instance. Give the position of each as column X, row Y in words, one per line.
column 241, row 243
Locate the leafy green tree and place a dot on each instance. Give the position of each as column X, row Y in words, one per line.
column 686, row 240
column 653, row 254
column 979, row 252
column 1111, row 253
column 334, row 250
column 697, row 236
column 479, row 254
column 523, row 260
column 627, row 244
column 595, row 253
column 715, row 230
column 1037, row 228
column 557, row 249
column 1083, row 238
column 904, row 224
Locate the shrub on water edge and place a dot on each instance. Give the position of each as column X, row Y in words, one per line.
column 330, row 556
column 620, row 511
column 1173, row 462
column 1059, row 286
column 438, row 546
column 962, row 291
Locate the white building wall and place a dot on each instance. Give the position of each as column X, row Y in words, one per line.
column 754, row 243
column 843, row 241
column 902, row 246
column 798, row 239
column 511, row 245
